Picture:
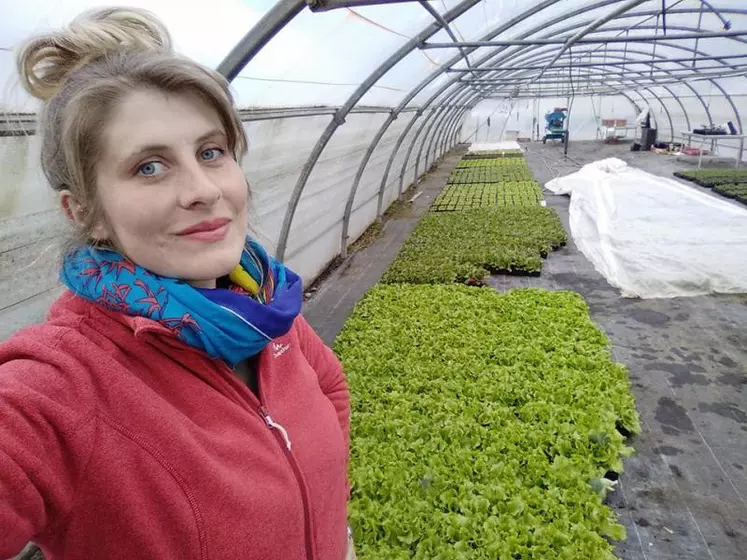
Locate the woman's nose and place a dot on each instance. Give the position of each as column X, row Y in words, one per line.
column 199, row 186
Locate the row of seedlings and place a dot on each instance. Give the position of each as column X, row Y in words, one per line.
column 730, row 183
column 483, row 424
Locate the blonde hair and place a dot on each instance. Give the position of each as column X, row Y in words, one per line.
column 83, row 71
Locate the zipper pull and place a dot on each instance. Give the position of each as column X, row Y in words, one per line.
column 275, row 426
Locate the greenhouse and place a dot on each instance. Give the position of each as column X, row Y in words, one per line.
column 522, row 228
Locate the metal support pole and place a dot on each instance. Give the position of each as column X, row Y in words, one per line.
column 442, row 143
column 458, row 96
column 470, row 104
column 433, row 143
column 600, row 74
column 534, row 56
column 597, row 64
column 579, row 36
column 731, row 103
column 666, row 111
column 684, row 111
column 258, row 36
column 434, row 132
column 356, row 181
column 589, row 40
column 446, row 28
column 339, row 117
column 428, row 128
column 453, row 125
column 417, row 89
column 327, row 5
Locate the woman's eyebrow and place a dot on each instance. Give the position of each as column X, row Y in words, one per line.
column 136, row 153
column 210, row 134
column 146, row 149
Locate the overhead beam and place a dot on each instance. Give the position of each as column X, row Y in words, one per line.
column 530, row 57
column 582, row 33
column 533, row 56
column 327, row 5
column 439, row 18
column 614, row 54
column 533, row 59
column 600, row 77
column 622, row 91
column 587, row 40
column 594, row 64
column 680, row 73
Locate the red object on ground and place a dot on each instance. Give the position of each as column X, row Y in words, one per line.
column 693, row 151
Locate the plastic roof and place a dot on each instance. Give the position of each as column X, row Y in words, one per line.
column 322, row 57
column 436, row 61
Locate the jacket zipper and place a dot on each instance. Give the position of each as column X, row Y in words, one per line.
column 282, row 437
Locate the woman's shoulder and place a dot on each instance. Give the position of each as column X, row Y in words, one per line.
column 51, row 361
column 47, row 341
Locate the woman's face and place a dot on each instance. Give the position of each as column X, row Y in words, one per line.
column 174, row 200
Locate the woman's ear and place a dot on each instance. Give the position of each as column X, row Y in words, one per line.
column 72, row 209
column 78, row 214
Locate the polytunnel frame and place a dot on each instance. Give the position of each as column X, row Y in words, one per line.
column 610, row 54
column 589, row 27
column 285, row 10
column 454, row 93
column 651, row 14
column 436, row 73
column 651, row 63
column 663, row 86
column 339, row 118
column 656, row 64
column 502, row 49
column 663, row 59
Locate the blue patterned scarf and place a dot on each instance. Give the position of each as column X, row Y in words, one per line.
column 231, row 324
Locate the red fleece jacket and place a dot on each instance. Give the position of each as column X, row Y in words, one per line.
column 119, row 441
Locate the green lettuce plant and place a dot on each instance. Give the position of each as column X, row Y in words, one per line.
column 482, row 425
column 466, row 246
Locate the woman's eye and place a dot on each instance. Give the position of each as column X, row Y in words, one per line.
column 211, row 154
column 151, row 169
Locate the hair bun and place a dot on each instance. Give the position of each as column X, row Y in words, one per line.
column 46, row 61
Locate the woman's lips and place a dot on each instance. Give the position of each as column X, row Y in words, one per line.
column 207, row 230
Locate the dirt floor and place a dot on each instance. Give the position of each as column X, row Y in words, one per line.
column 682, row 495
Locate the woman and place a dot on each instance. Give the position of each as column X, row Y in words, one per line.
column 175, row 404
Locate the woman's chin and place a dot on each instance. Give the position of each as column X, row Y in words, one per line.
column 207, row 275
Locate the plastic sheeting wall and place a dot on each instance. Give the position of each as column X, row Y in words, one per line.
column 315, row 236
column 519, row 118
column 31, row 224
column 277, row 152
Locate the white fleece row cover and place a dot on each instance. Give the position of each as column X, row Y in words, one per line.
column 495, row 146
column 653, row 237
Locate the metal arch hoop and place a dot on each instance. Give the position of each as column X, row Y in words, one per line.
column 692, row 89
column 285, row 10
